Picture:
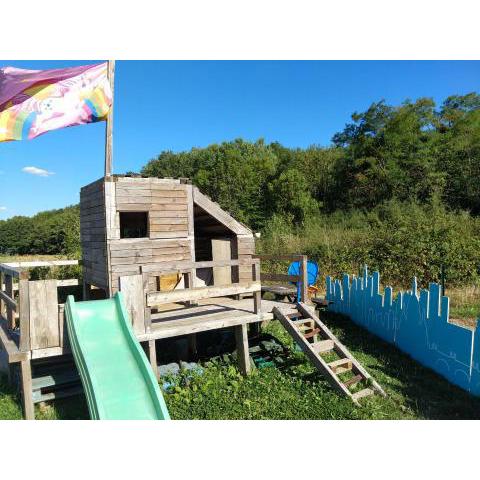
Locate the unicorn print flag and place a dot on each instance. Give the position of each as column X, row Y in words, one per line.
column 33, row 102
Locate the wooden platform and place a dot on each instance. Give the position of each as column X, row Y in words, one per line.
column 210, row 314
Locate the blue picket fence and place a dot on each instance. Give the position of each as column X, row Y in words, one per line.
column 415, row 321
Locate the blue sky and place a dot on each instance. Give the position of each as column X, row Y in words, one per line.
column 164, row 105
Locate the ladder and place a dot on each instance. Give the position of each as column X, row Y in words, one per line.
column 315, row 339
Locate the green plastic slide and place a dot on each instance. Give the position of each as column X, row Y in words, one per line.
column 117, row 378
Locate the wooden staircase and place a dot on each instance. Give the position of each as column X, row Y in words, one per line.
column 318, row 342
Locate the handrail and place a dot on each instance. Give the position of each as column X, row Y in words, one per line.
column 193, row 294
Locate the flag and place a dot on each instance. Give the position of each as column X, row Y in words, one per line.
column 33, row 102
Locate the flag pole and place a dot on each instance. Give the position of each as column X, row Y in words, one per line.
column 109, row 124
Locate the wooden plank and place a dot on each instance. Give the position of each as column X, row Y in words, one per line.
column 71, row 282
column 243, row 357
column 291, row 258
column 304, row 280
column 157, row 298
column 24, row 302
column 43, row 305
column 279, row 277
column 169, row 214
column 340, row 366
column 221, row 250
column 203, row 323
column 27, row 391
column 152, row 356
column 9, row 345
column 323, row 346
column 10, row 303
column 132, row 289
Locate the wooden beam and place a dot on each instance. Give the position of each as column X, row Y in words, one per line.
column 152, row 355
column 11, row 304
column 8, row 344
column 243, row 357
column 27, row 390
column 24, row 302
column 158, row 298
column 109, row 124
column 279, row 277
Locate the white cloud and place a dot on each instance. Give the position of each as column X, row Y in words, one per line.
column 37, row 171
column 2, row 209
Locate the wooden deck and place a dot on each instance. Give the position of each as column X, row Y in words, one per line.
column 210, row 314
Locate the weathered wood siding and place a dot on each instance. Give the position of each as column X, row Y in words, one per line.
column 93, row 233
column 246, row 248
column 166, row 202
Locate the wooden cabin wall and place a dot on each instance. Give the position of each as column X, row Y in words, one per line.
column 93, row 234
column 169, row 214
column 246, row 248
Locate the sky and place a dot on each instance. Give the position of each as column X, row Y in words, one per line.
column 168, row 105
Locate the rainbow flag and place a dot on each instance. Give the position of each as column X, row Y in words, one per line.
column 33, row 102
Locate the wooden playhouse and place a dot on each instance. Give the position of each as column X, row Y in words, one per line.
column 183, row 264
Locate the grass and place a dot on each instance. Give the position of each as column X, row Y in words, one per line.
column 294, row 390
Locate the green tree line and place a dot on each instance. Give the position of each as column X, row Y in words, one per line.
column 399, row 187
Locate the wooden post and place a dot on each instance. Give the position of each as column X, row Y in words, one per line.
column 257, row 298
column 109, row 124
column 24, row 304
column 243, row 357
column 86, row 290
column 27, row 393
column 9, row 292
column 304, row 281
column 1, row 289
column 152, row 355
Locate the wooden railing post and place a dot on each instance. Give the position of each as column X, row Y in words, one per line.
column 1, row 288
column 304, row 282
column 9, row 292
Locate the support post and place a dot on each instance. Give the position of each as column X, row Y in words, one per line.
column 257, row 298
column 152, row 355
column 9, row 292
column 86, row 290
column 24, row 314
column 27, row 393
column 109, row 124
column 1, row 289
column 304, row 281
column 243, row 357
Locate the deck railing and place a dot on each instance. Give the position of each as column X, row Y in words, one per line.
column 302, row 277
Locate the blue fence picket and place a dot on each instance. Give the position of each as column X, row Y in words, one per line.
column 415, row 321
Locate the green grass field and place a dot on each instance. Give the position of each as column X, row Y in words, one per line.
column 295, row 391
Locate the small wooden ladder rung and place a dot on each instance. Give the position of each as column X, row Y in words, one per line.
column 311, row 334
column 323, row 346
column 327, row 343
column 353, row 381
column 340, row 366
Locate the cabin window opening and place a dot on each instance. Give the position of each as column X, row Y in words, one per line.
column 133, row 224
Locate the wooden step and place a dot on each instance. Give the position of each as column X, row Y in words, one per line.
column 311, row 334
column 362, row 393
column 323, row 346
column 340, row 366
column 353, row 381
